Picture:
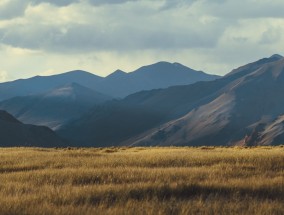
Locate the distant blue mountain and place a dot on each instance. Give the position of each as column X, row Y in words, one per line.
column 41, row 84
column 55, row 107
column 245, row 107
column 155, row 76
column 117, row 84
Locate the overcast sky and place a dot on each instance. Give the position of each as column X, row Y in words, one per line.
column 42, row 37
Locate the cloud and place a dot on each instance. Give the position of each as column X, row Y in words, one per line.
column 271, row 35
column 117, row 32
column 171, row 4
column 92, row 33
column 3, row 76
column 10, row 9
column 244, row 9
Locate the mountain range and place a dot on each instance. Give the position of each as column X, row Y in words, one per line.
column 55, row 100
column 119, row 84
column 155, row 76
column 245, row 107
column 55, row 107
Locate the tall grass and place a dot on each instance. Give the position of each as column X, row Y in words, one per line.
column 137, row 181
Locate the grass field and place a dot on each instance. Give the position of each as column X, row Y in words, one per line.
column 142, row 181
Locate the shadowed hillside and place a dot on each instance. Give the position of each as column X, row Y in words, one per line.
column 246, row 107
column 15, row 133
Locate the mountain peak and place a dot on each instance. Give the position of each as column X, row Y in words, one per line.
column 158, row 66
column 116, row 73
column 162, row 63
column 181, row 66
column 119, row 71
column 177, row 64
column 251, row 67
column 276, row 56
column 69, row 73
column 78, row 72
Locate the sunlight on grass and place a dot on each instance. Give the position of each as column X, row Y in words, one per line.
column 205, row 180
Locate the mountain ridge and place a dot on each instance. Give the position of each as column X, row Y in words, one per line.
column 55, row 107
column 232, row 118
column 118, row 84
column 166, row 106
column 245, row 107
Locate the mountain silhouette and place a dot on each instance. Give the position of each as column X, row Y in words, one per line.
column 155, row 76
column 41, row 84
column 118, row 84
column 14, row 133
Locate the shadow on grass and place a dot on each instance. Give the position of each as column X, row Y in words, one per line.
column 185, row 192
column 21, row 169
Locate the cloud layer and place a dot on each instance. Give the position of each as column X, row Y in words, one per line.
column 102, row 35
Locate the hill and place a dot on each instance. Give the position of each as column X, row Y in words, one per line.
column 54, row 108
column 14, row 133
column 41, row 84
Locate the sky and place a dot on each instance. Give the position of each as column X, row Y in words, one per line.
column 45, row 37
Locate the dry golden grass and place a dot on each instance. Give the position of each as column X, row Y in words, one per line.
column 204, row 180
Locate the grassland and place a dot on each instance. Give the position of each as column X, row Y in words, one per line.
column 142, row 181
